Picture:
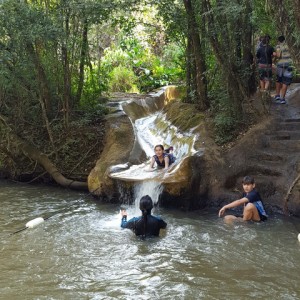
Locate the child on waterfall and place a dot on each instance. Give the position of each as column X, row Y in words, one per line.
column 172, row 158
column 146, row 225
column 253, row 206
column 162, row 159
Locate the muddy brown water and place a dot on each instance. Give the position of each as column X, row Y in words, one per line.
column 81, row 253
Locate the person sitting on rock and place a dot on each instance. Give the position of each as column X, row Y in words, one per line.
column 161, row 158
column 253, row 206
column 146, row 225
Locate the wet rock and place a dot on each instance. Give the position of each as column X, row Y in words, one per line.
column 119, row 139
column 212, row 176
column 120, row 144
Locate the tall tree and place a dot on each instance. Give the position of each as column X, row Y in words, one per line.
column 287, row 17
column 231, row 46
column 195, row 50
column 44, row 50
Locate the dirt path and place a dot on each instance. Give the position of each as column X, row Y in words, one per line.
column 270, row 152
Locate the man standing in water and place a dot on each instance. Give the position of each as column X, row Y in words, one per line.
column 253, row 207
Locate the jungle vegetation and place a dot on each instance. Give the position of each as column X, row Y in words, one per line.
column 60, row 59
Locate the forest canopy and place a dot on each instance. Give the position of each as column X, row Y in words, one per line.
column 61, row 59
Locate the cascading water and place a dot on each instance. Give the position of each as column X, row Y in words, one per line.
column 152, row 130
column 151, row 188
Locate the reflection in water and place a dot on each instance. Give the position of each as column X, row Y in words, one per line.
column 81, row 253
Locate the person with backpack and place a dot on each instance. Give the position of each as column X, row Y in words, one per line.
column 284, row 70
column 145, row 225
column 264, row 55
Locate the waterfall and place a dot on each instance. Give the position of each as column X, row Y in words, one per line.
column 151, row 188
column 150, row 131
column 152, row 128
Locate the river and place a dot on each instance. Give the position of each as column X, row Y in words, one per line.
column 80, row 252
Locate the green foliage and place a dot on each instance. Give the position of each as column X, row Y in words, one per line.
column 225, row 125
column 159, row 76
column 123, row 79
column 145, row 49
column 137, row 69
column 262, row 22
column 94, row 85
column 225, row 121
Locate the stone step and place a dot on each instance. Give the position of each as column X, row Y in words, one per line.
column 281, row 136
column 285, row 145
column 285, row 135
column 290, row 125
column 292, row 120
column 267, row 157
column 264, row 168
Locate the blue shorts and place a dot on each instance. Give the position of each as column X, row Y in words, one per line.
column 262, row 217
column 284, row 75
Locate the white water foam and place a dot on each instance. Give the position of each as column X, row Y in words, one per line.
column 150, row 188
column 154, row 130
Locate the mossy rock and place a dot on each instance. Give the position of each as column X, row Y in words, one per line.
column 185, row 116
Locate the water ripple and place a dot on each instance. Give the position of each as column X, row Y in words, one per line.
column 82, row 253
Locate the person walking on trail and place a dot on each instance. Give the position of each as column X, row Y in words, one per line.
column 284, row 70
column 264, row 56
column 253, row 206
column 145, row 225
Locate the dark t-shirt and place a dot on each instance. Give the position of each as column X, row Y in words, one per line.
column 138, row 226
column 255, row 198
column 264, row 54
column 161, row 164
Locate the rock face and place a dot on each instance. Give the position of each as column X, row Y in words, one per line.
column 118, row 140
column 210, row 176
column 121, row 146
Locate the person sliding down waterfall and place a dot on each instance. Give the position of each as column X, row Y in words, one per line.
column 162, row 159
column 172, row 158
column 146, row 225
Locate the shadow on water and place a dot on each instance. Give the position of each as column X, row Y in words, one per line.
column 82, row 253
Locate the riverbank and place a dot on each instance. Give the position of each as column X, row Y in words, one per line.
column 74, row 152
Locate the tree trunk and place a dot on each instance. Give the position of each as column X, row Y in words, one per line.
column 41, row 77
column 224, row 55
column 83, row 55
column 199, row 56
column 188, row 70
column 250, row 81
column 34, row 154
column 67, row 75
column 47, row 124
